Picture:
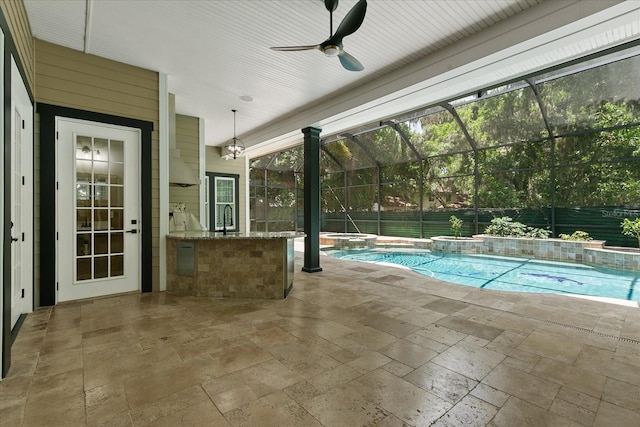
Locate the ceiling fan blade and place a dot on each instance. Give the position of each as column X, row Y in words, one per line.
column 349, row 62
column 294, row 48
column 331, row 5
column 351, row 21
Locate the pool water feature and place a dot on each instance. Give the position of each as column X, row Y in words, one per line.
column 349, row 240
column 507, row 273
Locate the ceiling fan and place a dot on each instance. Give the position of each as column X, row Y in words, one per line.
column 333, row 45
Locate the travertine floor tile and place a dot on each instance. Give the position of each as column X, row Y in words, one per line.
column 442, row 382
column 69, row 410
column 203, row 413
column 469, row 412
column 490, row 395
column 274, row 410
column 346, row 407
column 333, row 377
column 555, row 347
column 390, row 325
column 411, row 404
column 582, row 380
column 604, row 362
column 622, row 394
column 104, row 401
column 469, row 360
column 408, row 353
column 148, row 413
column 369, row 361
column 262, row 379
column 345, row 348
column 441, row 334
column 519, row 413
column 159, row 383
column 573, row 412
column 525, row 386
column 612, row 415
column 469, row 327
column 368, row 337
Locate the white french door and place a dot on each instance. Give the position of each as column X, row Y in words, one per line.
column 21, row 197
column 98, row 209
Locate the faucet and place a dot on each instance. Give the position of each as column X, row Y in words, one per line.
column 224, row 218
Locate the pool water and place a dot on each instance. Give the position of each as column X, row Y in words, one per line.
column 508, row 274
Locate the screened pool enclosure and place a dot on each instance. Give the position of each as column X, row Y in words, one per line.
column 557, row 150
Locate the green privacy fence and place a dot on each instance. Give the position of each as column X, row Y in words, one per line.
column 602, row 223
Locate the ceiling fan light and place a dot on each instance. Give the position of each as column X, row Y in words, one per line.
column 331, row 50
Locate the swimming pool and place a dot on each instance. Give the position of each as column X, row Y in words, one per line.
column 508, row 274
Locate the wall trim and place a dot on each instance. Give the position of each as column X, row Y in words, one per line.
column 48, row 114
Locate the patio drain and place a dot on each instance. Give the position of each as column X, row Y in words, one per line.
column 578, row 328
column 560, row 324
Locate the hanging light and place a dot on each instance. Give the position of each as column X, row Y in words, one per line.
column 235, row 147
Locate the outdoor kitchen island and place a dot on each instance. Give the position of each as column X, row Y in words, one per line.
column 232, row 265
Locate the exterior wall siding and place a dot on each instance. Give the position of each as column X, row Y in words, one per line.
column 16, row 16
column 215, row 163
column 69, row 78
column 188, row 142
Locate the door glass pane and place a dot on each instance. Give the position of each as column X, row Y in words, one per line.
column 117, row 221
column 83, row 244
column 99, row 201
column 83, row 269
column 117, row 242
column 117, row 265
column 83, row 222
column 83, row 171
column 101, row 243
column 101, row 219
column 84, row 146
column 117, row 196
column 101, row 196
column 83, row 195
column 101, row 150
column 101, row 267
column 116, row 152
column 116, row 173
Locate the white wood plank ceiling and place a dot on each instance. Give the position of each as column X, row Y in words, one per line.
column 215, row 52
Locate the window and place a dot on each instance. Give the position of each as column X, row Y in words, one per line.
column 224, row 197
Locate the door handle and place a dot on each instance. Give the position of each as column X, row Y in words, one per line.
column 133, row 231
column 14, row 239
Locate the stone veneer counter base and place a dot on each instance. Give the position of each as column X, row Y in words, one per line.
column 235, row 265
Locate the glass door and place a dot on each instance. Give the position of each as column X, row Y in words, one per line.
column 99, row 208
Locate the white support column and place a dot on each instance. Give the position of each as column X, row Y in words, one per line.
column 2, row 209
column 164, row 175
column 247, row 194
column 201, row 173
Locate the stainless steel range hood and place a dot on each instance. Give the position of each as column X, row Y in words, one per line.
column 180, row 174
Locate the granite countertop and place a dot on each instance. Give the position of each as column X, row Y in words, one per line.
column 210, row 235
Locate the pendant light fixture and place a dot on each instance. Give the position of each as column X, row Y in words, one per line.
column 235, row 147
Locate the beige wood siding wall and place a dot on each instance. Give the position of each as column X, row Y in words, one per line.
column 188, row 142
column 69, row 78
column 16, row 15
column 215, row 163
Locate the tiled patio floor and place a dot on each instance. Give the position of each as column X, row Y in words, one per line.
column 354, row 345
